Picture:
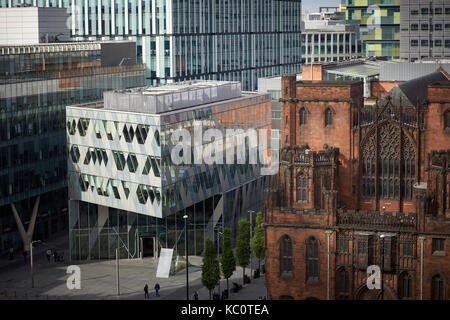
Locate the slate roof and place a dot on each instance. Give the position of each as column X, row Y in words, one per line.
column 413, row 91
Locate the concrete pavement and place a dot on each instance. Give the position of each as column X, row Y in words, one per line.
column 98, row 280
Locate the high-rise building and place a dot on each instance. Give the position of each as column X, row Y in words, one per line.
column 125, row 188
column 362, row 192
column 379, row 25
column 202, row 39
column 37, row 82
column 425, row 29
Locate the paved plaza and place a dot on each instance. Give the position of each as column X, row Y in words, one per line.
column 98, row 279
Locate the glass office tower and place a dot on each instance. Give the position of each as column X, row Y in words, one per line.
column 125, row 188
column 379, row 25
column 37, row 82
column 197, row 39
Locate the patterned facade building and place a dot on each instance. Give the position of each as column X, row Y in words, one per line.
column 379, row 25
column 126, row 190
column 361, row 185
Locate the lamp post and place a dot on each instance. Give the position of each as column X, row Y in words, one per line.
column 251, row 231
column 117, row 272
column 218, row 250
column 185, row 217
column 31, row 261
column 382, row 265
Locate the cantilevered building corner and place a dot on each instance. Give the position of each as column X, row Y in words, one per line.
column 122, row 175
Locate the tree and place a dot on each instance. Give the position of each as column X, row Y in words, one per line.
column 210, row 267
column 258, row 239
column 243, row 245
column 227, row 261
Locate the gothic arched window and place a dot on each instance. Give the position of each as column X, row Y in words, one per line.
column 405, row 286
column 312, row 260
column 328, row 118
column 343, row 284
column 447, row 119
column 389, row 168
column 286, row 255
column 303, row 117
column 437, row 288
column 302, row 188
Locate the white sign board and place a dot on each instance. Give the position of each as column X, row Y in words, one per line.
column 165, row 263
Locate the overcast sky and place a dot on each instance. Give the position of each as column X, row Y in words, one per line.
column 313, row 5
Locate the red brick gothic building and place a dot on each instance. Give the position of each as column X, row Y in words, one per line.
column 354, row 178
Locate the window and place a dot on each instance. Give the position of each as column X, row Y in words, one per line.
column 447, row 44
column 342, row 244
column 407, row 249
column 312, row 260
column 437, row 288
column 328, row 118
column 447, row 26
column 276, row 114
column 286, row 256
column 447, row 119
column 414, row 43
column 343, row 284
column 424, row 26
column 424, row 10
column 414, row 27
column 302, row 189
column 405, row 286
column 414, row 12
column 438, row 11
column 438, row 43
column 287, row 119
column 438, row 27
column 438, row 246
column 424, row 43
column 447, row 10
column 303, row 117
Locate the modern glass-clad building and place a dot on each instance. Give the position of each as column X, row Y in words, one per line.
column 379, row 25
column 200, row 39
column 37, row 82
column 125, row 188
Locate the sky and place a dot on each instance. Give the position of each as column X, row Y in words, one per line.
column 313, row 5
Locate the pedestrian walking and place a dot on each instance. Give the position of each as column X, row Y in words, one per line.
column 55, row 256
column 196, row 295
column 157, row 287
column 48, row 254
column 11, row 253
column 146, row 291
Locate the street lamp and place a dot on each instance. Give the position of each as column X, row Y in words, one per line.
column 251, row 232
column 31, row 261
column 218, row 248
column 382, row 265
column 185, row 217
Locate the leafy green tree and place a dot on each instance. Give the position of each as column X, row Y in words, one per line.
column 227, row 261
column 258, row 239
column 210, row 267
column 243, row 245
